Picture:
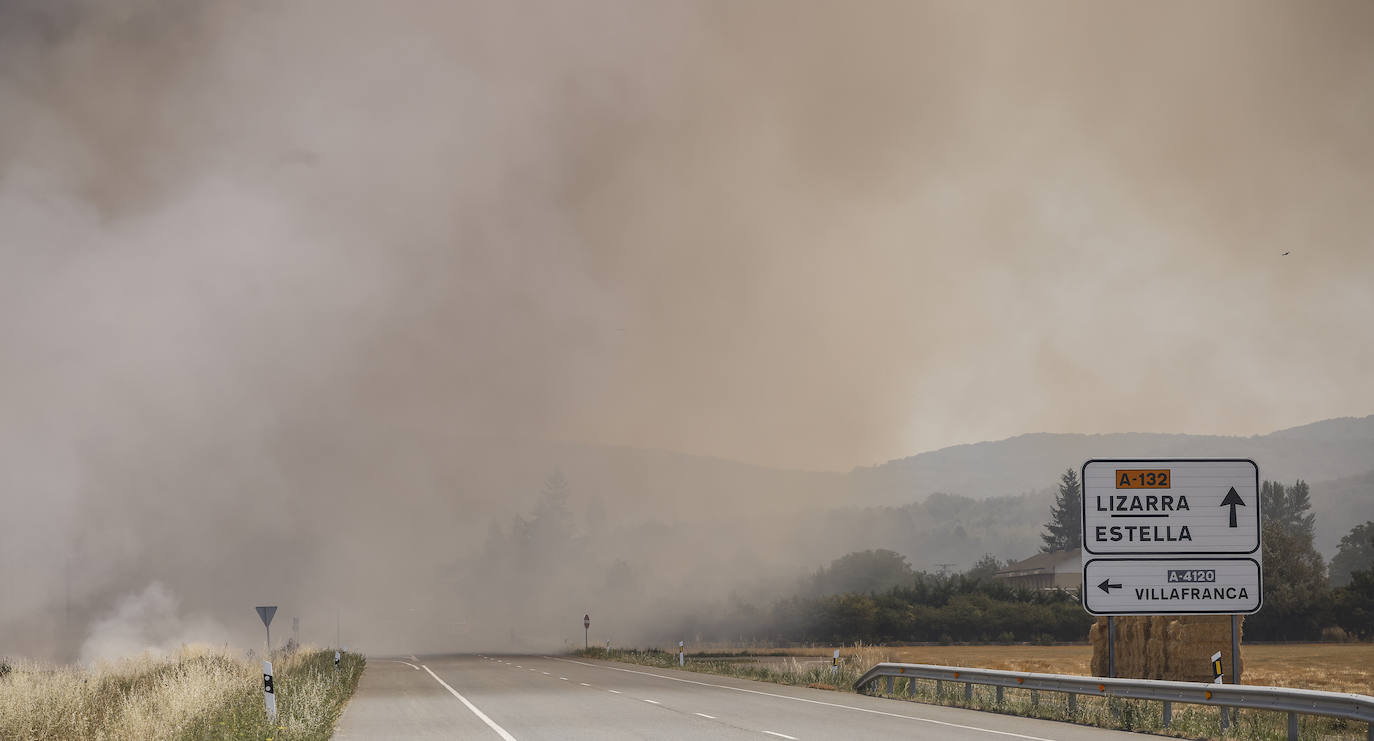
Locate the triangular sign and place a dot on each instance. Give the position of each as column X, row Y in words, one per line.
column 266, row 614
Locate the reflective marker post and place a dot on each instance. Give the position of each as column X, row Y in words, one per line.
column 269, row 693
column 586, row 631
column 681, row 654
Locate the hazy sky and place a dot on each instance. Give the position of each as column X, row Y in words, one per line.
column 801, row 234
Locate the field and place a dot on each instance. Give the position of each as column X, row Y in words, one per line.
column 1336, row 667
column 196, row 694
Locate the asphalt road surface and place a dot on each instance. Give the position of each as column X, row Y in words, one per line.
column 542, row 697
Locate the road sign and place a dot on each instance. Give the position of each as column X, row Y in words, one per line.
column 586, row 621
column 1167, row 586
column 1163, row 537
column 266, row 612
column 1171, row 506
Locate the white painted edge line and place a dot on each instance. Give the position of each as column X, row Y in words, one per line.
column 652, row 702
column 398, row 661
column 614, row 691
column 584, row 684
column 808, row 700
column 481, row 715
column 704, row 715
column 780, row 735
column 564, row 678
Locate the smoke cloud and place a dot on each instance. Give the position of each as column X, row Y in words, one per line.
column 310, row 300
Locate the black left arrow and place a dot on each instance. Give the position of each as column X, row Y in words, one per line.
column 1232, row 498
column 1107, row 586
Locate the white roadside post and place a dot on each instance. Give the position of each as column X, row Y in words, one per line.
column 336, row 659
column 835, row 663
column 681, row 658
column 269, row 694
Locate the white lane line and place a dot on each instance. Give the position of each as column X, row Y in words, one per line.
column 483, row 716
column 407, row 663
column 547, row 674
column 780, row 735
column 704, row 715
column 651, row 702
column 808, row 700
column 584, row 684
column 614, row 691
column 564, row 678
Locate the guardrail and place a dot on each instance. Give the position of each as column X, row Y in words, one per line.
column 1276, row 699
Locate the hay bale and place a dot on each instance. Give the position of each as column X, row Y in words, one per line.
column 1165, row 647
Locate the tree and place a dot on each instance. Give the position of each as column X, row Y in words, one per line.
column 1295, row 587
column 863, row 572
column 1290, row 508
column 1355, row 605
column 986, row 568
column 1356, row 554
column 1064, row 531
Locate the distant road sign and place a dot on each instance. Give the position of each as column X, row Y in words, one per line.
column 266, row 613
column 1173, row 536
column 1146, row 506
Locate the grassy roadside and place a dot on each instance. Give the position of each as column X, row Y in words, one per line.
column 197, row 694
column 1189, row 721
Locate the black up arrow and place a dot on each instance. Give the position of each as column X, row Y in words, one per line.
column 1107, row 587
column 1232, row 498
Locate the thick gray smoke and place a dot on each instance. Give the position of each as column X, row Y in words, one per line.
column 306, row 302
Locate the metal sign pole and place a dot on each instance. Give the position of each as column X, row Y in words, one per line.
column 1111, row 646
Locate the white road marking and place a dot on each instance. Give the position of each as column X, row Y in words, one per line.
column 704, row 715
column 412, row 657
column 654, row 702
column 483, row 716
column 407, row 663
column 584, row 684
column 780, row 735
column 614, row 691
column 807, row 700
column 546, row 674
column 564, row 678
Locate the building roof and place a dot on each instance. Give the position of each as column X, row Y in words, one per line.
column 1040, row 563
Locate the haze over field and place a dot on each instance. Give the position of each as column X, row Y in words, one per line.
column 302, row 305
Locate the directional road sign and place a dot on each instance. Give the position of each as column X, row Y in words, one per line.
column 1163, row 537
column 1171, row 506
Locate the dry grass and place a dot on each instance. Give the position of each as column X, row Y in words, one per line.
column 198, row 693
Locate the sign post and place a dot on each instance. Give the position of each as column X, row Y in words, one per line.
column 681, row 654
column 269, row 693
column 1171, row 537
column 586, row 631
column 266, row 612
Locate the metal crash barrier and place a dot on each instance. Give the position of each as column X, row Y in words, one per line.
column 1275, row 699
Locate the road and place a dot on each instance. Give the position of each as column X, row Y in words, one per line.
column 543, row 697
